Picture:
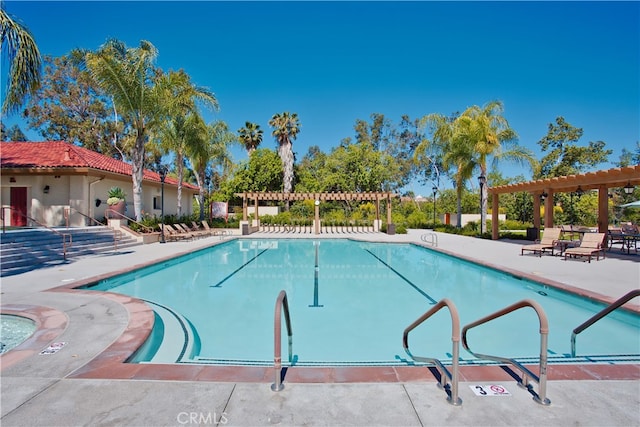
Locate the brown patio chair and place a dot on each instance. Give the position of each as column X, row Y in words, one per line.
column 178, row 233
column 549, row 241
column 592, row 243
column 196, row 233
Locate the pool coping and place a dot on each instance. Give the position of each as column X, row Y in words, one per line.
column 111, row 362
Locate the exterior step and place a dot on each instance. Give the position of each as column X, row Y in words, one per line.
column 25, row 250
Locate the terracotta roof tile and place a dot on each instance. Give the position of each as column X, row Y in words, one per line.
column 60, row 155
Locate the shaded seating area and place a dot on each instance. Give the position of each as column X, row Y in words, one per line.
column 548, row 242
column 591, row 244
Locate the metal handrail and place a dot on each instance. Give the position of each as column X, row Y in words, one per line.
column 539, row 397
column 452, row 388
column 281, row 302
column 67, row 214
column 108, row 212
column 431, row 238
column 610, row 308
column 64, row 236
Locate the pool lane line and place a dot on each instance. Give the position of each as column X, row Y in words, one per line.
column 219, row 284
column 404, row 278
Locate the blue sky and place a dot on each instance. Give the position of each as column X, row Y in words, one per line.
column 335, row 62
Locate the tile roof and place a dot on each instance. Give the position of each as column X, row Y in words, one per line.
column 61, row 155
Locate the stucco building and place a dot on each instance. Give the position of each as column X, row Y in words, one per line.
column 43, row 183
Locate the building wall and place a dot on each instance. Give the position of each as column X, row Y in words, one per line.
column 83, row 196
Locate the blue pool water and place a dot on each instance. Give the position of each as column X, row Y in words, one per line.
column 350, row 302
column 14, row 330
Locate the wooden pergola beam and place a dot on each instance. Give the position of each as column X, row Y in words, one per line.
column 600, row 180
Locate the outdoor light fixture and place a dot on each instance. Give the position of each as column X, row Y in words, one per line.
column 579, row 191
column 163, row 174
column 543, row 196
column 482, row 180
column 628, row 189
column 46, row 189
column 435, row 190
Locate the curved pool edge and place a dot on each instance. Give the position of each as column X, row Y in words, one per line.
column 50, row 324
column 111, row 363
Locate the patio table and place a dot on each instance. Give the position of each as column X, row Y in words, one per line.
column 625, row 241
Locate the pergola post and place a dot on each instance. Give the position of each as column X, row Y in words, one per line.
column 390, row 227
column 603, row 209
column 495, row 227
column 244, row 207
column 316, row 219
column 536, row 212
column 548, row 209
column 256, row 222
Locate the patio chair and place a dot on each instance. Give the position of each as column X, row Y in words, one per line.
column 170, row 234
column 549, row 240
column 592, row 243
column 197, row 233
column 178, row 233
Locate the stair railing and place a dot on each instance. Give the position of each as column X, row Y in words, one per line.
column 451, row 386
column 527, row 375
column 117, row 234
column 67, row 239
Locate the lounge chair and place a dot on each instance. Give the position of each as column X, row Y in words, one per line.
column 549, row 240
column 178, row 233
column 197, row 233
column 592, row 243
column 170, row 234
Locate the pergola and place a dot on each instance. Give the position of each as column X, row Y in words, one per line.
column 600, row 180
column 318, row 198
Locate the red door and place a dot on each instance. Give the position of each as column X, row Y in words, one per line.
column 19, row 206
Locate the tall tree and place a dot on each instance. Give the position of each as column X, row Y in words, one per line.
column 563, row 155
column 447, row 151
column 488, row 132
column 211, row 145
column 128, row 76
column 14, row 133
column 184, row 124
column 628, row 157
column 286, row 127
column 250, row 136
column 24, row 58
column 69, row 106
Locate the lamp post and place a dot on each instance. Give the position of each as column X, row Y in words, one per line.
column 163, row 174
column 482, row 180
column 435, row 190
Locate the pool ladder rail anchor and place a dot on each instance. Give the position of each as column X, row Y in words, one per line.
column 539, row 397
column 448, row 381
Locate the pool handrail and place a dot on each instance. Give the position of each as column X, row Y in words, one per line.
column 539, row 397
column 281, row 303
column 431, row 238
column 604, row 312
column 452, row 388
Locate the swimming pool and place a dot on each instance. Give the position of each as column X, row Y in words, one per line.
column 349, row 303
column 14, row 330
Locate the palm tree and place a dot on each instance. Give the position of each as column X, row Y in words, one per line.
column 142, row 94
column 447, row 149
column 24, row 59
column 286, row 127
column 184, row 123
column 210, row 145
column 251, row 136
column 489, row 133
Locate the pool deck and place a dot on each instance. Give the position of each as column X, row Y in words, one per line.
column 85, row 383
